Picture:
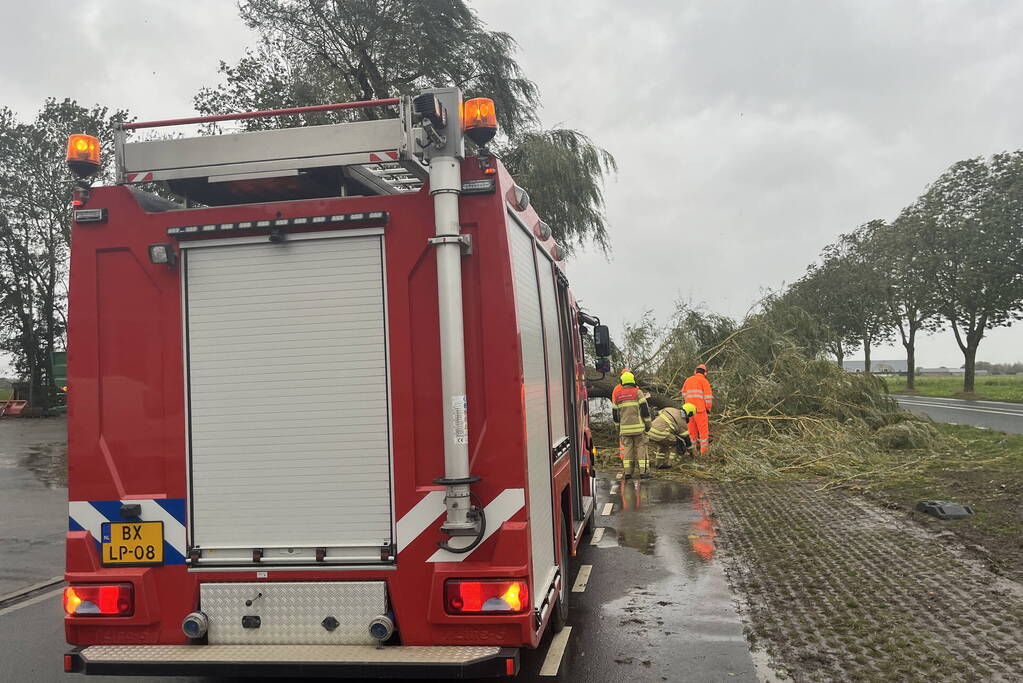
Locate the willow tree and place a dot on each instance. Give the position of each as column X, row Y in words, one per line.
column 317, row 51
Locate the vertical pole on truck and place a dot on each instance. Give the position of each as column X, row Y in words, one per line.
column 444, row 150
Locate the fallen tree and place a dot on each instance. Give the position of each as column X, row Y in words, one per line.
column 781, row 407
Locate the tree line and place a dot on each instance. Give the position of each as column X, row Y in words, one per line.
column 309, row 52
column 952, row 259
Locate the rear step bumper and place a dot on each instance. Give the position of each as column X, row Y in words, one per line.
column 296, row 661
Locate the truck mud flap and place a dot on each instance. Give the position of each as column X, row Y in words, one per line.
column 296, row 661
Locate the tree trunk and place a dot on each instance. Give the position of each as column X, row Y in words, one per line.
column 660, row 395
column 866, row 354
column 970, row 356
column 910, row 364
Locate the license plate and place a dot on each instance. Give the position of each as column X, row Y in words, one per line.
column 132, row 543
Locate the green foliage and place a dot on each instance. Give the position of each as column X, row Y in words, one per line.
column 563, row 171
column 973, row 221
column 35, row 223
column 317, row 51
column 823, row 293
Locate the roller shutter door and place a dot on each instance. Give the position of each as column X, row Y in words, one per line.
column 288, row 400
column 534, row 390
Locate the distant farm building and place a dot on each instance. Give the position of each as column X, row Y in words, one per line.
column 947, row 372
column 885, row 367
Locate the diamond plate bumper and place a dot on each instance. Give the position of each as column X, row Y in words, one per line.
column 296, row 661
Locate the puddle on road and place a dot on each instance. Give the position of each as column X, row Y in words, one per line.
column 678, row 597
column 33, row 452
column 47, row 462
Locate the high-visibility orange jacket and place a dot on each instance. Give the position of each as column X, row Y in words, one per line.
column 696, row 390
column 629, row 409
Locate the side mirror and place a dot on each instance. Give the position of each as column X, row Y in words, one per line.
column 602, row 341
column 603, row 365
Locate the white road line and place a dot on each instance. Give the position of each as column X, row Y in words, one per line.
column 29, row 589
column 608, row 507
column 598, row 534
column 1010, row 405
column 38, row 598
column 614, row 489
column 582, row 578
column 552, row 662
column 945, row 406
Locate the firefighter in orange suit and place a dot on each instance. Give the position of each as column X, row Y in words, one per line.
column 630, row 411
column 696, row 390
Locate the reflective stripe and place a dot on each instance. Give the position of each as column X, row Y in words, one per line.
column 627, row 404
column 628, row 430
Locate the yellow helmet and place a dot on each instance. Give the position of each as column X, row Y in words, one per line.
column 628, row 377
column 689, row 409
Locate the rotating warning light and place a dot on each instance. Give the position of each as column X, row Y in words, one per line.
column 479, row 118
column 83, row 154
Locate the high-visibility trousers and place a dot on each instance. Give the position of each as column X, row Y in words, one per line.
column 699, row 431
column 634, row 452
column 659, row 450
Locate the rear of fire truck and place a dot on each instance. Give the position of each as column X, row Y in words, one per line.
column 326, row 414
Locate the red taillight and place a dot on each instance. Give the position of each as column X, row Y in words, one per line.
column 500, row 596
column 91, row 600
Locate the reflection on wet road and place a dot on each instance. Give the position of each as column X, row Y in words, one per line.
column 33, row 500
column 662, row 607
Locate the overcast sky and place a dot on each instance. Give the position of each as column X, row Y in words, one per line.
column 748, row 134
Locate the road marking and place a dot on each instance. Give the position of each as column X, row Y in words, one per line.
column 582, row 578
column 34, row 587
column 598, row 534
column 614, row 489
column 38, row 598
column 1008, row 405
column 944, row 406
column 555, row 653
column 608, row 507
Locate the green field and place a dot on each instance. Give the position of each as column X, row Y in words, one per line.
column 988, row 387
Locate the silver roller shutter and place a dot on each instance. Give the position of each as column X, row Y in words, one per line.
column 555, row 357
column 534, row 377
column 288, row 404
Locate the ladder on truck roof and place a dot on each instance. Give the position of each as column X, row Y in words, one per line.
column 374, row 157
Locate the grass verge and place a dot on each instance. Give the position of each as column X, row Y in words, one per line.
column 988, row 388
column 985, row 471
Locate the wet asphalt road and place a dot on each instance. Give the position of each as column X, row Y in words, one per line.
column 1005, row 417
column 656, row 606
column 33, row 501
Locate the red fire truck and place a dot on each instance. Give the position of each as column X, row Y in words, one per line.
column 327, row 414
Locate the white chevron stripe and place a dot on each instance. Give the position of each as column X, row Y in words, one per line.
column 173, row 530
column 87, row 517
column 499, row 511
column 419, row 517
